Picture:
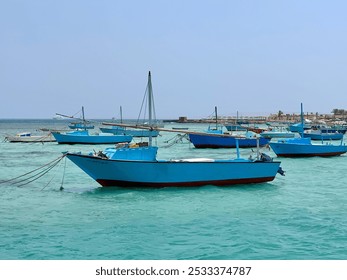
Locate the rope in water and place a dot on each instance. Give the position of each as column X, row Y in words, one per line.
column 175, row 140
column 33, row 175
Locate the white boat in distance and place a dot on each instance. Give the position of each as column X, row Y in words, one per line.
column 26, row 137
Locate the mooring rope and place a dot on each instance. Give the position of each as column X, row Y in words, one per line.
column 175, row 140
column 34, row 177
column 62, row 180
column 40, row 171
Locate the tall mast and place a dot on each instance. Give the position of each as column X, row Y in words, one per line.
column 302, row 121
column 84, row 121
column 150, row 92
column 121, row 114
column 215, row 111
column 83, row 114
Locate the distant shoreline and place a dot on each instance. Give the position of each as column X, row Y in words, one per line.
column 287, row 118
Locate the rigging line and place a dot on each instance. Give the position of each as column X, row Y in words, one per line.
column 57, row 159
column 47, row 170
column 143, row 101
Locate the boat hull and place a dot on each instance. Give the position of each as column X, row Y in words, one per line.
column 272, row 134
column 174, row 173
column 235, row 127
column 222, row 141
column 298, row 150
column 30, row 139
column 324, row 136
column 90, row 139
column 298, row 127
column 81, row 126
column 131, row 132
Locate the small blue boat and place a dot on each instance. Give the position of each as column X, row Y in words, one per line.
column 117, row 130
column 81, row 125
column 277, row 132
column 139, row 166
column 319, row 135
column 214, row 137
column 303, row 147
column 333, row 130
column 298, row 127
column 225, row 141
column 83, row 137
column 120, row 130
column 330, row 129
column 235, row 127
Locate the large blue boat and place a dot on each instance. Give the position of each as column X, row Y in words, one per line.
column 139, row 167
column 303, row 147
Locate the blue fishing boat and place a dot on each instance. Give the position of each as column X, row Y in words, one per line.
column 139, row 167
column 80, row 124
column 214, row 137
column 299, row 127
column 303, row 147
column 319, row 135
column 204, row 140
column 119, row 130
column 84, row 137
column 235, row 127
column 277, row 132
column 330, row 129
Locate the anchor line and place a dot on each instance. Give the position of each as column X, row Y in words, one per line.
column 44, row 169
column 61, row 188
column 176, row 139
column 62, row 180
column 35, row 176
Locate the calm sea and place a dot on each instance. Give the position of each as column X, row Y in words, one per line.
column 299, row 216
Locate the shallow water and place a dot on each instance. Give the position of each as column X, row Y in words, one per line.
column 299, row 216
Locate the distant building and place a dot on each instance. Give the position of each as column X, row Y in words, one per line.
column 182, row 119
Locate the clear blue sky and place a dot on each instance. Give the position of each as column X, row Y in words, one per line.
column 254, row 57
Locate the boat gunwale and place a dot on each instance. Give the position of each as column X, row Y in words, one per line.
column 225, row 161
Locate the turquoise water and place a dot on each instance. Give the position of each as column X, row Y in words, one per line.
column 299, row 216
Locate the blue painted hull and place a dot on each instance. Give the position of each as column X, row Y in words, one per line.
column 304, row 148
column 81, row 126
column 277, row 134
column 132, row 173
column 324, row 136
column 90, row 139
column 131, row 132
column 298, row 127
column 333, row 130
column 235, row 127
column 222, row 141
